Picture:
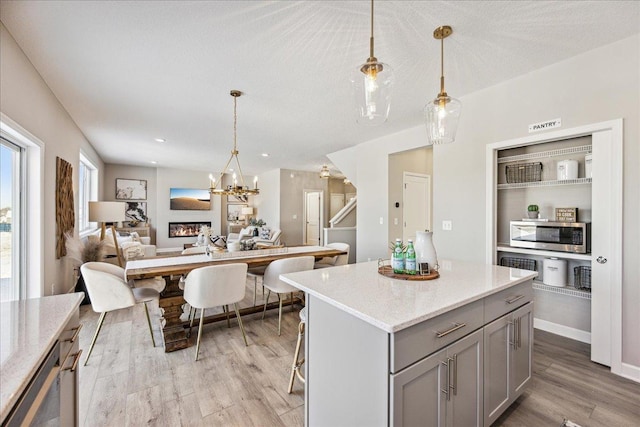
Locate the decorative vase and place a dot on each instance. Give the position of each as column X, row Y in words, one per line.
column 425, row 251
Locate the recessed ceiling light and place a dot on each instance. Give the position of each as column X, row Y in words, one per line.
column 265, row 154
column 160, row 140
column 153, row 162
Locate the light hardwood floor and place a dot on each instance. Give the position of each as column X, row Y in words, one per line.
column 129, row 382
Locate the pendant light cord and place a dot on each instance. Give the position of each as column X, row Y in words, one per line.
column 371, row 38
column 442, row 92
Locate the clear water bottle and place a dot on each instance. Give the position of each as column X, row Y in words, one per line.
column 410, row 260
column 397, row 261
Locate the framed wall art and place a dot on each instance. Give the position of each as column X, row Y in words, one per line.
column 234, row 212
column 131, row 189
column 136, row 211
column 237, row 199
column 189, row 199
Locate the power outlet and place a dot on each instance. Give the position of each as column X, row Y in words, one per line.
column 446, row 265
column 395, row 221
column 447, row 225
column 53, row 289
column 295, row 216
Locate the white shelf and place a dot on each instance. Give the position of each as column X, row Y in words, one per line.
column 554, row 183
column 546, row 154
column 566, row 255
column 562, row 291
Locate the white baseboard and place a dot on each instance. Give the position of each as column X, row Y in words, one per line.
column 631, row 372
column 564, row 331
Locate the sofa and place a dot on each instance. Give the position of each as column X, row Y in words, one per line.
column 266, row 236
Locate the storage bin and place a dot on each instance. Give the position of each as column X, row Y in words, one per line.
column 522, row 263
column 524, row 172
column 582, row 277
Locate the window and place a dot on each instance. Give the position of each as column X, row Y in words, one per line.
column 87, row 191
column 11, row 207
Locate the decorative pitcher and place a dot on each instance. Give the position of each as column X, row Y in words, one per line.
column 425, row 251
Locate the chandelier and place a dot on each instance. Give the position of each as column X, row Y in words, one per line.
column 442, row 114
column 238, row 188
column 324, row 172
column 372, row 83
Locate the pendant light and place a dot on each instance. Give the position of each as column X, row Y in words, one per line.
column 372, row 83
column 442, row 114
column 324, row 172
column 238, row 188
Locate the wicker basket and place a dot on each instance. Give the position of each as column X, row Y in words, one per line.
column 582, row 277
column 524, row 172
column 522, row 263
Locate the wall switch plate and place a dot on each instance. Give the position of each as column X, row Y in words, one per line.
column 395, row 221
column 446, row 225
column 381, row 220
column 446, row 265
column 295, row 217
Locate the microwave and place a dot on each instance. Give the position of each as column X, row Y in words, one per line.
column 572, row 237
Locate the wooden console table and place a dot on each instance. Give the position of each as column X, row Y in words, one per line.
column 142, row 231
column 171, row 299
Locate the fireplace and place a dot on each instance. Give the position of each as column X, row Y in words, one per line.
column 186, row 229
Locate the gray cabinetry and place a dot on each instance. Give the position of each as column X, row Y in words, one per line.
column 444, row 389
column 68, row 377
column 507, row 360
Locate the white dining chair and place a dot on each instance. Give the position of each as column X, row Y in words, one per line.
column 273, row 283
column 109, row 291
column 297, row 364
column 334, row 260
column 213, row 286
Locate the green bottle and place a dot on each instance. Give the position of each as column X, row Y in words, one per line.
column 397, row 261
column 410, row 260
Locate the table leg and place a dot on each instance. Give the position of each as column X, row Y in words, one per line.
column 173, row 331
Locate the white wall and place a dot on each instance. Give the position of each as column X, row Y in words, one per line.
column 599, row 85
column 267, row 203
column 179, row 178
column 27, row 100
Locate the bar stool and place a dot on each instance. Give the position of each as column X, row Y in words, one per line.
column 297, row 364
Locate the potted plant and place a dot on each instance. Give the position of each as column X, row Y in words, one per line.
column 532, row 211
column 257, row 223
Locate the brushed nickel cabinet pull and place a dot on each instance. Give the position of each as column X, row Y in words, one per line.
column 454, row 386
column 73, row 367
column 447, row 332
column 519, row 332
column 445, row 390
column 75, row 335
column 512, row 338
column 514, row 299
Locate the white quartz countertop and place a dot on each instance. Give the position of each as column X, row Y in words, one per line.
column 392, row 304
column 29, row 329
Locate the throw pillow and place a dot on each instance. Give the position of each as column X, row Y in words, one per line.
column 135, row 237
column 265, row 233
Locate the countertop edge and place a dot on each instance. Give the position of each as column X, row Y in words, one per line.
column 396, row 328
column 12, row 399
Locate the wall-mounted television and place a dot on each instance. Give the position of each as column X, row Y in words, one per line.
column 189, row 199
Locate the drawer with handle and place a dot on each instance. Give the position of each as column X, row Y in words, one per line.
column 503, row 302
column 418, row 341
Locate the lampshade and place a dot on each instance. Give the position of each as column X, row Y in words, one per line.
column 106, row 211
column 442, row 114
column 372, row 83
column 247, row 211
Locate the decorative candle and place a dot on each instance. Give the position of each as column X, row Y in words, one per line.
column 212, row 181
column 255, row 182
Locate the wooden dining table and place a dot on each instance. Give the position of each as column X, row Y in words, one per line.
column 172, row 268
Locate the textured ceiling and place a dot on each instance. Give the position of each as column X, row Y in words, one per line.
column 129, row 72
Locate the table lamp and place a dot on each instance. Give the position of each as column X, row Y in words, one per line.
column 247, row 212
column 104, row 212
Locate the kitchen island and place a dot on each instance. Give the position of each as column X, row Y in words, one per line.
column 33, row 332
column 451, row 351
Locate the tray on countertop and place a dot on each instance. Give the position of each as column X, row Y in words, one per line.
column 387, row 270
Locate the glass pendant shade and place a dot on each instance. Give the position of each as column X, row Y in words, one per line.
column 372, row 83
column 442, row 115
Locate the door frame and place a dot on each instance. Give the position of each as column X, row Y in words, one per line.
column 405, row 174
column 615, row 127
column 304, row 215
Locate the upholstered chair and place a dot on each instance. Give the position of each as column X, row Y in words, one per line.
column 334, row 260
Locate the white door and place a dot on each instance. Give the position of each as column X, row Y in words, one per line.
column 416, row 207
column 312, row 217
column 605, row 234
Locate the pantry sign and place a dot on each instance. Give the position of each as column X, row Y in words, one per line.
column 549, row 124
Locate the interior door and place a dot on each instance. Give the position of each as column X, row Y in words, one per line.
column 312, row 220
column 416, row 197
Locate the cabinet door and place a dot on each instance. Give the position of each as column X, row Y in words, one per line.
column 417, row 393
column 497, row 343
column 521, row 354
column 464, row 406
